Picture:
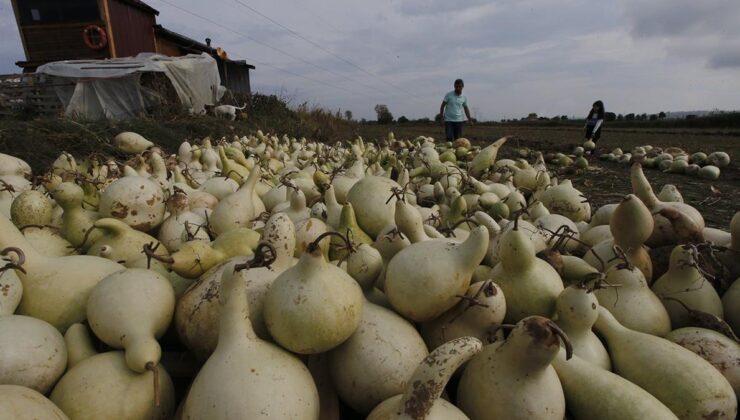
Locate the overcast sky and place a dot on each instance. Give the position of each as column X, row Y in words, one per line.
column 516, row 56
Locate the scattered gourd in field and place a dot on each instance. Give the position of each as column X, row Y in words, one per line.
column 132, row 143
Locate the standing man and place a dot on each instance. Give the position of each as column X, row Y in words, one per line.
column 452, row 109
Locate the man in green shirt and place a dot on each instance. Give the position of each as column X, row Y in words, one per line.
column 453, row 106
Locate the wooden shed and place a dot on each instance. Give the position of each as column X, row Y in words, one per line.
column 55, row 30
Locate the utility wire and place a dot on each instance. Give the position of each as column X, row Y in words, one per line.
column 275, row 49
column 322, row 48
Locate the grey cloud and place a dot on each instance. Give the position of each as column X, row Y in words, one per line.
column 729, row 60
column 436, row 7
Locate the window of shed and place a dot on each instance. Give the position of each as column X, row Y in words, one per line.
column 39, row 12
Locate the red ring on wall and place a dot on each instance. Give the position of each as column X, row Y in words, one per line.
column 102, row 37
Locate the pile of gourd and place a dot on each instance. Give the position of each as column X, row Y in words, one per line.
column 300, row 274
column 672, row 160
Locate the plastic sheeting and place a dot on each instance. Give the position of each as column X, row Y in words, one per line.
column 111, row 88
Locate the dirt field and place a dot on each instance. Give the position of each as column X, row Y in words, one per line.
column 606, row 177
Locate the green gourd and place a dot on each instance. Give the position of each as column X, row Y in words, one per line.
column 687, row 384
column 531, row 285
column 591, row 393
column 685, row 284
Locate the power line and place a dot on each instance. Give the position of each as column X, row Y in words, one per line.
column 322, row 48
column 273, row 48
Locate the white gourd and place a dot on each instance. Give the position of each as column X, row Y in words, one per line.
column 313, row 306
column 376, row 362
column 32, row 353
column 131, row 309
column 240, row 208
column 246, row 377
column 577, row 311
column 469, row 318
column 55, row 289
column 515, row 380
column 421, row 397
column 424, row 279
column 369, row 198
column 19, row 402
column 137, row 201
column 99, row 386
column 632, row 303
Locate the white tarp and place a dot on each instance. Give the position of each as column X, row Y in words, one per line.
column 111, row 89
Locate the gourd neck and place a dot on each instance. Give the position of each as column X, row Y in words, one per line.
column 79, row 345
column 641, row 186
column 234, row 325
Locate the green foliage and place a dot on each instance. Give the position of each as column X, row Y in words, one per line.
column 384, row 114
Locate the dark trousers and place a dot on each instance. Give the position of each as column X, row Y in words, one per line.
column 591, row 134
column 453, row 130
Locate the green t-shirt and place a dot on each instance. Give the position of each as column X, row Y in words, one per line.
column 454, row 107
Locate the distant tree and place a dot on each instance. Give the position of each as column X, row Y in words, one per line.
column 564, row 117
column 438, row 117
column 610, row 116
column 630, row 117
column 653, row 117
column 555, row 118
column 620, row 117
column 691, row 117
column 403, row 119
column 384, row 114
column 363, row 121
column 661, row 115
column 348, row 115
column 532, row 116
column 338, row 115
column 424, row 120
column 643, row 116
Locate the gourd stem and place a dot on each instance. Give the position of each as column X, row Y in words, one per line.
column 14, row 265
column 155, row 374
column 564, row 337
column 264, row 256
column 313, row 246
